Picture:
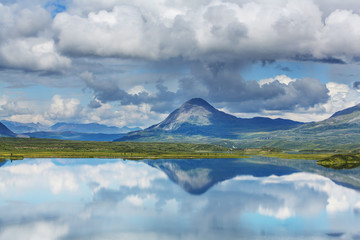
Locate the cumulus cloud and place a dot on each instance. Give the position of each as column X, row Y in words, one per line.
column 61, row 108
column 215, row 30
column 25, row 42
column 35, row 230
column 33, row 54
column 22, row 110
column 128, row 115
column 214, row 39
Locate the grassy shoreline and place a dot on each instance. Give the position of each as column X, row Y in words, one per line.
column 53, row 148
column 119, row 155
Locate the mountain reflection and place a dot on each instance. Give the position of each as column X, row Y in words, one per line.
column 198, row 176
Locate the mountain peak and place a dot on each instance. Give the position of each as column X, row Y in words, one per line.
column 196, row 111
column 197, row 102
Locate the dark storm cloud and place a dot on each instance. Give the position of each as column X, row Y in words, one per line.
column 356, row 85
column 221, row 85
column 109, row 91
column 94, row 103
column 226, row 85
column 309, row 58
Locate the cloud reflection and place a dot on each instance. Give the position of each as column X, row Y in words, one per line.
column 112, row 199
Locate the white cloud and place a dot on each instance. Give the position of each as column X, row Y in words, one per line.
column 35, row 231
column 281, row 79
column 64, row 180
column 137, row 89
column 30, row 118
column 61, row 108
column 22, row 110
column 36, row 54
column 341, row 97
column 207, row 30
column 120, row 32
column 126, row 115
column 26, row 42
column 282, row 213
column 22, row 22
column 340, row 36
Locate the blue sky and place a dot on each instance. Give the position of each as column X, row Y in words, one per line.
column 120, row 63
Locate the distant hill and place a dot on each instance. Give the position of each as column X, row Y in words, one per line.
column 67, row 131
column 340, row 131
column 18, row 127
column 5, row 132
column 90, row 128
column 197, row 117
column 102, row 137
column 347, row 111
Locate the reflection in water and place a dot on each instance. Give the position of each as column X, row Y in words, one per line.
column 197, row 176
column 340, row 165
column 115, row 199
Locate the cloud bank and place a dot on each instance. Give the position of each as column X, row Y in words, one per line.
column 209, row 30
column 193, row 49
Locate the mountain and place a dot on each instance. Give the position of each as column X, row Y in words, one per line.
column 5, row 132
column 24, row 127
column 347, row 111
column 197, row 117
column 67, row 135
column 340, row 131
column 90, row 128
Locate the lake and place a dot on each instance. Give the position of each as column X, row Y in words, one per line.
column 253, row 198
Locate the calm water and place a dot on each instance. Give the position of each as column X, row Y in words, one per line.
column 257, row 198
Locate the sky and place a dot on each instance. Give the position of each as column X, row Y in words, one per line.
column 130, row 63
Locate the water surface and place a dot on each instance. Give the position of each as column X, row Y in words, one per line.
column 257, row 198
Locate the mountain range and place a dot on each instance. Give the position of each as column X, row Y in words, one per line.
column 197, row 121
column 90, row 128
column 67, row 127
column 64, row 131
column 18, row 127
